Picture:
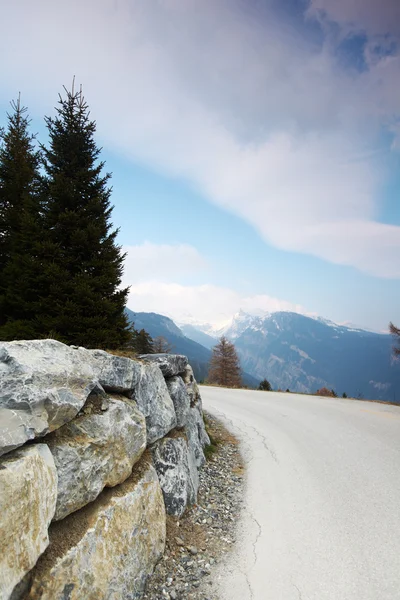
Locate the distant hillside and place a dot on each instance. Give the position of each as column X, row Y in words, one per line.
column 199, row 336
column 199, row 356
column 304, row 354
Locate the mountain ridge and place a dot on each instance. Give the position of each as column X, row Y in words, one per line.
column 198, row 355
column 303, row 354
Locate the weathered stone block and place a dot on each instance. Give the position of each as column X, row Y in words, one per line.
column 177, row 473
column 170, row 364
column 153, row 399
column 196, row 435
column 96, row 450
column 191, row 385
column 43, row 384
column 180, row 397
column 107, row 550
column 116, row 374
column 28, row 493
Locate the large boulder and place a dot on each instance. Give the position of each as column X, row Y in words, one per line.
column 170, row 364
column 96, row 450
column 28, row 493
column 153, row 399
column 116, row 374
column 43, row 384
column 177, row 472
column 180, row 397
column 108, row 549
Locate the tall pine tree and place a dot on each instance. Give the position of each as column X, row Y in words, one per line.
column 83, row 304
column 225, row 365
column 21, row 237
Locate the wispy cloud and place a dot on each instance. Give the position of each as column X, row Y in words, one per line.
column 262, row 121
column 206, row 303
column 370, row 16
column 157, row 261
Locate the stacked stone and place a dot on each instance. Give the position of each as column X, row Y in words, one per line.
column 82, row 503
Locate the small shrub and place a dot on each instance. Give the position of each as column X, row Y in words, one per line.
column 210, row 450
column 325, row 392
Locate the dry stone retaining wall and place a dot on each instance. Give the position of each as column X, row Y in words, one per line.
column 95, row 449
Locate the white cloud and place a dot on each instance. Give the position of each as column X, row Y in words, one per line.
column 156, row 262
column 206, row 303
column 263, row 123
column 371, row 16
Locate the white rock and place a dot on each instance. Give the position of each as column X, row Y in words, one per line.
column 28, row 493
column 43, row 384
column 96, row 451
column 180, row 397
column 116, row 374
column 153, row 399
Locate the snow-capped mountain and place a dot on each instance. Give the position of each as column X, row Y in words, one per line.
column 198, row 352
column 306, row 353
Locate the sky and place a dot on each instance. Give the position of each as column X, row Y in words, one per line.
column 254, row 145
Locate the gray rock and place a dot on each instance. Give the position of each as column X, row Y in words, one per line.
column 28, row 493
column 191, row 385
column 108, row 549
column 170, row 364
column 43, row 384
column 154, row 401
column 180, row 398
column 116, row 374
column 195, row 419
column 177, row 474
column 203, row 435
column 196, row 433
column 96, row 451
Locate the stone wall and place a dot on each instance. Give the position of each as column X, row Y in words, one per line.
column 95, row 449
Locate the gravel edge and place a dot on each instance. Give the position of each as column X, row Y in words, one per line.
column 202, row 537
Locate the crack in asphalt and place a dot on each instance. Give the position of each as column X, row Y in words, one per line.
column 249, row 457
column 265, row 444
column 245, row 576
column 257, row 536
column 298, row 591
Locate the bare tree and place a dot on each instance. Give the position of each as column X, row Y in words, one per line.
column 224, row 365
column 396, row 332
column 161, row 345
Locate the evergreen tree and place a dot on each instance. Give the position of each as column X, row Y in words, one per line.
column 143, row 343
column 265, row 386
column 21, row 238
column 225, row 366
column 83, row 303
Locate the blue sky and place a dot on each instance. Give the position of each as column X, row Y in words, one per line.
column 255, row 146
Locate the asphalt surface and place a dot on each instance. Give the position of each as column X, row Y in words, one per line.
column 322, row 517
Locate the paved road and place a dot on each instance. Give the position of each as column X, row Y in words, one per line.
column 323, row 499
